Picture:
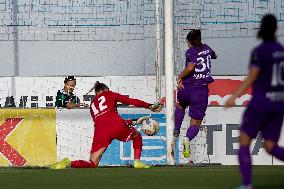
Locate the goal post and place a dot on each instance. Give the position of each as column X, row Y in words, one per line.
column 169, row 74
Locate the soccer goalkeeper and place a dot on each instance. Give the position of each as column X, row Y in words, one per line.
column 109, row 126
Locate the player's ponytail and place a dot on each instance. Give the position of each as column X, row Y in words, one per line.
column 97, row 84
column 100, row 87
column 268, row 28
column 194, row 37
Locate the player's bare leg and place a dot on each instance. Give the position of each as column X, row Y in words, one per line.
column 272, row 148
column 92, row 163
column 96, row 156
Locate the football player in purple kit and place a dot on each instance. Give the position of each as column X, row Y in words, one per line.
column 266, row 109
column 193, row 87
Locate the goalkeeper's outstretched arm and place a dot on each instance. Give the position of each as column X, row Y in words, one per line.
column 156, row 107
column 131, row 101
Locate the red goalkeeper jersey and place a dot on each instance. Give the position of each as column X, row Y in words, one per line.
column 105, row 104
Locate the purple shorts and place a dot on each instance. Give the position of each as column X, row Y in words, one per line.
column 267, row 122
column 196, row 97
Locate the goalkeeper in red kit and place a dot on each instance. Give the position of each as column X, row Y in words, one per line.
column 109, row 126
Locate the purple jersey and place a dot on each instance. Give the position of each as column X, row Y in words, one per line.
column 201, row 57
column 268, row 89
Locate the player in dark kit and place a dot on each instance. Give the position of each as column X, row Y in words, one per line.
column 193, row 87
column 109, row 126
column 266, row 109
column 65, row 98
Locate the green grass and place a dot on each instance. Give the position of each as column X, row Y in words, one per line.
column 220, row 177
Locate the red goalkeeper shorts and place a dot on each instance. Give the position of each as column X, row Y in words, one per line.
column 109, row 129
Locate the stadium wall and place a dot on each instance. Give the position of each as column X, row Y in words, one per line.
column 41, row 91
column 27, row 137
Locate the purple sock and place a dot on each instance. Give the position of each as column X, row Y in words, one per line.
column 179, row 115
column 245, row 164
column 278, row 152
column 192, row 131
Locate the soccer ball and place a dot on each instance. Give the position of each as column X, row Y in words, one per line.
column 150, row 127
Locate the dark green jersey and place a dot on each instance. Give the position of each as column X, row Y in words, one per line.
column 62, row 98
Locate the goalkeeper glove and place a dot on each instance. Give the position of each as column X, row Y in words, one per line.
column 156, row 107
column 140, row 120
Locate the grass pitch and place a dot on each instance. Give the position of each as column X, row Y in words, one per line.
column 219, row 177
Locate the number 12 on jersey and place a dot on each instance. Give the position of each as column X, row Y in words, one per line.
column 102, row 105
